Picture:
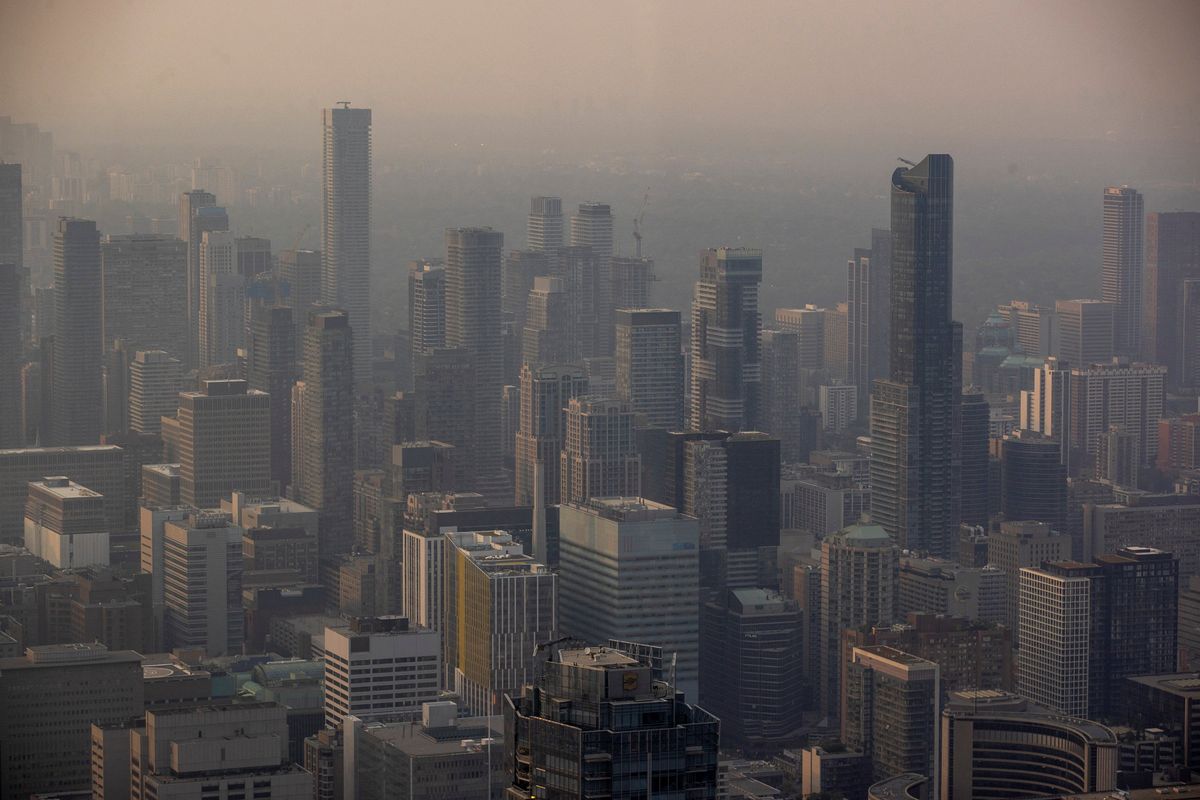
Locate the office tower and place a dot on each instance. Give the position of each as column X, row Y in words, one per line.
column 1165, row 522
column 1118, row 457
column 1121, row 276
column 271, row 368
column 64, row 524
column 253, row 256
column 14, row 279
column 443, row 408
column 837, row 342
column 144, row 279
column 1085, row 627
column 44, row 741
column 409, row 676
column 423, row 466
column 202, row 568
column 820, row 501
column 473, row 325
column 521, row 267
column 198, row 212
column 890, row 708
column 223, row 439
column 155, row 380
column 599, row 455
column 839, row 406
column 859, row 565
column 325, row 424
column 426, row 307
column 114, row 389
column 994, row 744
column 1033, row 481
column 548, row 336
column 1172, row 258
column 1178, row 443
column 222, row 299
column 752, row 643
column 937, row 586
column 1035, row 329
column 726, row 367
column 835, row 770
column 75, row 414
column 1130, row 395
column 346, row 226
column 667, row 743
column 869, row 313
column 439, row 755
column 1189, row 349
column 1023, row 544
column 499, row 604
column 915, row 413
column 629, row 570
column 592, row 227
column 99, row 467
column 1086, row 332
column 11, row 432
column 631, row 279
column 808, row 323
column 650, row 365
column 545, row 393
column 544, row 230
column 300, row 284
column 973, row 469
column 782, row 404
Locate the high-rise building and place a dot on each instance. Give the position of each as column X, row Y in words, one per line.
column 1118, row 457
column 726, row 368
column 1179, row 443
column 621, row 557
column 145, row 292
column 325, row 441
column 890, row 708
column 222, row 299
column 631, row 279
column 859, row 567
column 666, row 742
column 101, row 468
column 155, row 380
column 75, row 391
column 426, row 307
column 869, row 313
column 51, row 696
column 11, row 432
column 973, row 460
column 271, row 368
column 346, row 226
column 404, row 662
column 1086, row 332
column 592, row 227
column 808, row 323
column 541, row 433
column 599, row 455
column 1034, row 328
column 443, row 408
column 838, row 405
column 915, row 422
column 782, row 403
column 521, row 267
column 937, row 586
column 1033, row 480
column 751, row 641
column 1172, row 259
column 1189, row 355
column 222, row 437
column 64, row 524
column 1165, row 522
column 198, row 213
column 202, row 567
column 1118, row 393
column 820, row 501
column 1121, row 275
column 473, row 264
column 16, row 306
column 650, row 365
column 544, row 232
column 1017, row 545
column 499, row 605
column 548, row 337
column 1085, row 628
column 300, row 284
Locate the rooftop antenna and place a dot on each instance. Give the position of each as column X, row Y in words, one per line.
column 637, row 225
column 905, row 161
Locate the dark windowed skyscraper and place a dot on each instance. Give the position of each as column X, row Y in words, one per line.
column 75, row 414
column 869, row 313
column 346, row 226
column 915, row 413
column 271, row 368
column 1172, row 258
column 1121, row 279
column 192, row 226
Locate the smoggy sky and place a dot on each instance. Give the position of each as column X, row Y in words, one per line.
column 256, row 72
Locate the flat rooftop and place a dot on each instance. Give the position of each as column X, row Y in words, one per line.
column 63, row 487
column 597, row 657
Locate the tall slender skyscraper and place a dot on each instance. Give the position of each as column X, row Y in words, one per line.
column 221, row 434
column 271, row 368
column 545, row 393
column 869, row 311
column 915, row 423
column 473, row 267
column 1172, row 259
column 222, row 298
column 599, row 456
column 726, row 389
column 1121, row 279
column 548, row 334
column 346, row 226
column 426, row 307
column 326, row 427
column 145, row 292
column 592, row 227
column 545, row 227
column 300, row 284
column 75, row 393
column 198, row 212
column 13, row 291
column 650, row 365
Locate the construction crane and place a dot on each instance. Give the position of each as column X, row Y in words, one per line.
column 300, row 236
column 905, row 161
column 637, row 225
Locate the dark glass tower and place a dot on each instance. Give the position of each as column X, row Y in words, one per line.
column 915, row 414
column 75, row 413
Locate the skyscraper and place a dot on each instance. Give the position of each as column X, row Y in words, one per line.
column 326, row 426
column 1085, row 332
column 155, row 380
column 1130, row 395
column 915, row 413
column 75, row 391
column 650, row 365
column 222, row 300
column 346, row 226
column 271, row 368
column 223, row 440
column 1172, row 258
column 1121, row 276
column 11, row 433
column 426, row 307
column 300, row 284
column 202, row 586
column 726, row 363
column 545, row 394
column 145, row 292
column 599, row 455
column 1033, row 480
column 473, row 268
column 973, row 474
column 545, row 227
column 548, row 337
column 16, row 301
column 631, row 278
column 192, row 225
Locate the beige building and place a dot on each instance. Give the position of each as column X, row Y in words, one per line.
column 202, row 566
column 599, row 456
column 404, row 664
column 65, row 525
column 1022, row 544
column 155, row 379
column 101, row 468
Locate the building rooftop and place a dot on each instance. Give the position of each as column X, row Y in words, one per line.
column 864, row 533
column 897, row 656
column 629, row 508
column 86, row 448
column 52, row 655
column 598, row 657
column 63, row 487
column 1182, row 684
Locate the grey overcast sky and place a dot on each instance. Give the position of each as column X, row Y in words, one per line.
column 256, row 72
